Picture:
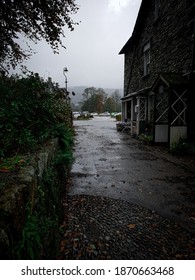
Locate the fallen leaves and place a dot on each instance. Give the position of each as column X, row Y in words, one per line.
column 11, row 164
column 99, row 228
column 132, row 226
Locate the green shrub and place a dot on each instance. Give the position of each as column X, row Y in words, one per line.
column 41, row 231
column 118, row 117
column 30, row 245
column 182, row 147
column 30, row 113
column 146, row 138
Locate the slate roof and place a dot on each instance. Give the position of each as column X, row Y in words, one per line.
column 142, row 14
column 144, row 7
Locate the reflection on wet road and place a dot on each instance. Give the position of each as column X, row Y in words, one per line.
column 112, row 164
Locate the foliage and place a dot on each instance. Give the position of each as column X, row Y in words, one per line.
column 182, row 147
column 146, row 138
column 64, row 158
column 96, row 100
column 30, row 244
column 41, row 232
column 110, row 105
column 117, row 100
column 11, row 164
column 41, row 227
column 118, row 117
column 86, row 116
column 36, row 20
column 93, row 100
column 30, row 114
column 66, row 136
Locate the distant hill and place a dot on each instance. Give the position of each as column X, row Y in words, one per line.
column 80, row 89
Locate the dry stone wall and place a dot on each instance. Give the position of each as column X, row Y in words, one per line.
column 20, row 191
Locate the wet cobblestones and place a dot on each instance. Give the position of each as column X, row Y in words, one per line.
column 105, row 228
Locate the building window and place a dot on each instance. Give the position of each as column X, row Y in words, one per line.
column 156, row 9
column 146, row 52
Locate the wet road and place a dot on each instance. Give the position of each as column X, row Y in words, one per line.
column 111, row 164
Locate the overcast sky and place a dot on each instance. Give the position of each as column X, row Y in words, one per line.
column 91, row 54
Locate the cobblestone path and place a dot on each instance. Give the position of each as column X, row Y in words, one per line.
column 100, row 228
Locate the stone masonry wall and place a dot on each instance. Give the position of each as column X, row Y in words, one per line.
column 19, row 191
column 171, row 39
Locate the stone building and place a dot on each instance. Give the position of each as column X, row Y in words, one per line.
column 159, row 82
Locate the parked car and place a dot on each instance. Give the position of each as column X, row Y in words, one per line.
column 76, row 115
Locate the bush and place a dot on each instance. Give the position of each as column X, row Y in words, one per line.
column 118, row 117
column 182, row 147
column 30, row 114
column 146, row 138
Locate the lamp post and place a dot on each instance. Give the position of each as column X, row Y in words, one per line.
column 67, row 97
column 65, row 70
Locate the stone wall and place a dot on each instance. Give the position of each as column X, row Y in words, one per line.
column 19, row 198
column 171, row 39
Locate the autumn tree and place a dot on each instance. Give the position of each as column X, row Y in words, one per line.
column 89, row 99
column 35, row 20
column 88, row 93
column 110, row 105
column 93, row 100
column 117, row 100
column 113, row 103
column 100, row 100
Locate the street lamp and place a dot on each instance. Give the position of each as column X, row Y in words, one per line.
column 65, row 70
column 67, row 97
